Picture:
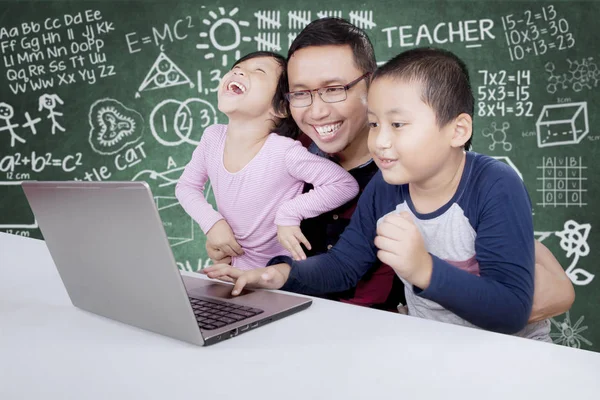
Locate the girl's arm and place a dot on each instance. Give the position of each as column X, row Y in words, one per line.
column 333, row 186
column 190, row 187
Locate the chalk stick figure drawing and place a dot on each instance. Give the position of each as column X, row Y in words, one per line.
column 6, row 114
column 50, row 102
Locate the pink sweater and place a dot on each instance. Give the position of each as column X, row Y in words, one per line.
column 265, row 193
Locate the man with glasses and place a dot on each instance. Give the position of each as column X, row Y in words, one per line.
column 329, row 64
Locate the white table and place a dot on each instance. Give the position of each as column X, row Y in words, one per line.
column 52, row 350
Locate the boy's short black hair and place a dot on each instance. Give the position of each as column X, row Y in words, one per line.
column 444, row 78
column 283, row 126
column 337, row 32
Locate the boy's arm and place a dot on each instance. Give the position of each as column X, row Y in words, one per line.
column 345, row 264
column 554, row 293
column 190, row 187
column 333, row 186
column 500, row 299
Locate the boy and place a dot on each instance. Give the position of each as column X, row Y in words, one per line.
column 455, row 226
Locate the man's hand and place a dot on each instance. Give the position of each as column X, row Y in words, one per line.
column 273, row 277
column 401, row 247
column 290, row 238
column 220, row 237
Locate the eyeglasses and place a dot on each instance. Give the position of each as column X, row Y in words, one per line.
column 329, row 94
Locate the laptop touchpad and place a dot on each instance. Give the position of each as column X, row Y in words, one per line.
column 217, row 290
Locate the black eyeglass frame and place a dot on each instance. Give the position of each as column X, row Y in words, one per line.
column 319, row 91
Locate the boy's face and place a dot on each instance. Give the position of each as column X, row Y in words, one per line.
column 332, row 126
column 249, row 87
column 404, row 139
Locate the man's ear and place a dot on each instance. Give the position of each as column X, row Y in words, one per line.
column 462, row 130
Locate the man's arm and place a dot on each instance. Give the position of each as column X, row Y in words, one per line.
column 345, row 264
column 554, row 293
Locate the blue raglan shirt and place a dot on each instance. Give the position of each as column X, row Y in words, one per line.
column 481, row 243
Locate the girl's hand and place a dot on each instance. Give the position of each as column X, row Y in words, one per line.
column 220, row 237
column 290, row 237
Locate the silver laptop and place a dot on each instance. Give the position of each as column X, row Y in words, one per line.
column 113, row 256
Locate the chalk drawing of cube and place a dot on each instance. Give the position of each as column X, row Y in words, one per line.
column 562, row 124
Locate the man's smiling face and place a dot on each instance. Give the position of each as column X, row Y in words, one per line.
column 332, row 126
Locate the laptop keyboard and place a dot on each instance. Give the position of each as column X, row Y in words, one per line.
column 213, row 314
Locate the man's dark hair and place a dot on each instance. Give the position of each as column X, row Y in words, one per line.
column 283, row 126
column 337, row 32
column 444, row 78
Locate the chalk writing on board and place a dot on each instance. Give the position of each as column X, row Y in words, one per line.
column 223, row 22
column 562, row 124
column 163, row 73
column 113, row 126
column 362, row 19
column 268, row 41
column 268, row 19
column 573, row 240
column 471, row 32
column 504, row 94
column 562, row 182
column 330, row 13
column 581, row 75
column 170, row 33
column 215, row 80
column 535, row 33
column 173, row 122
column 122, row 161
column 38, row 162
column 31, row 123
column 297, row 20
column 55, row 52
column 498, row 136
column 569, row 334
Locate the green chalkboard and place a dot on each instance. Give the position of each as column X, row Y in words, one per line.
column 123, row 90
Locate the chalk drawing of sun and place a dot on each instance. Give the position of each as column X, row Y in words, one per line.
column 220, row 24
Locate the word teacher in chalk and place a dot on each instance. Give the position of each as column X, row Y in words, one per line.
column 443, row 33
